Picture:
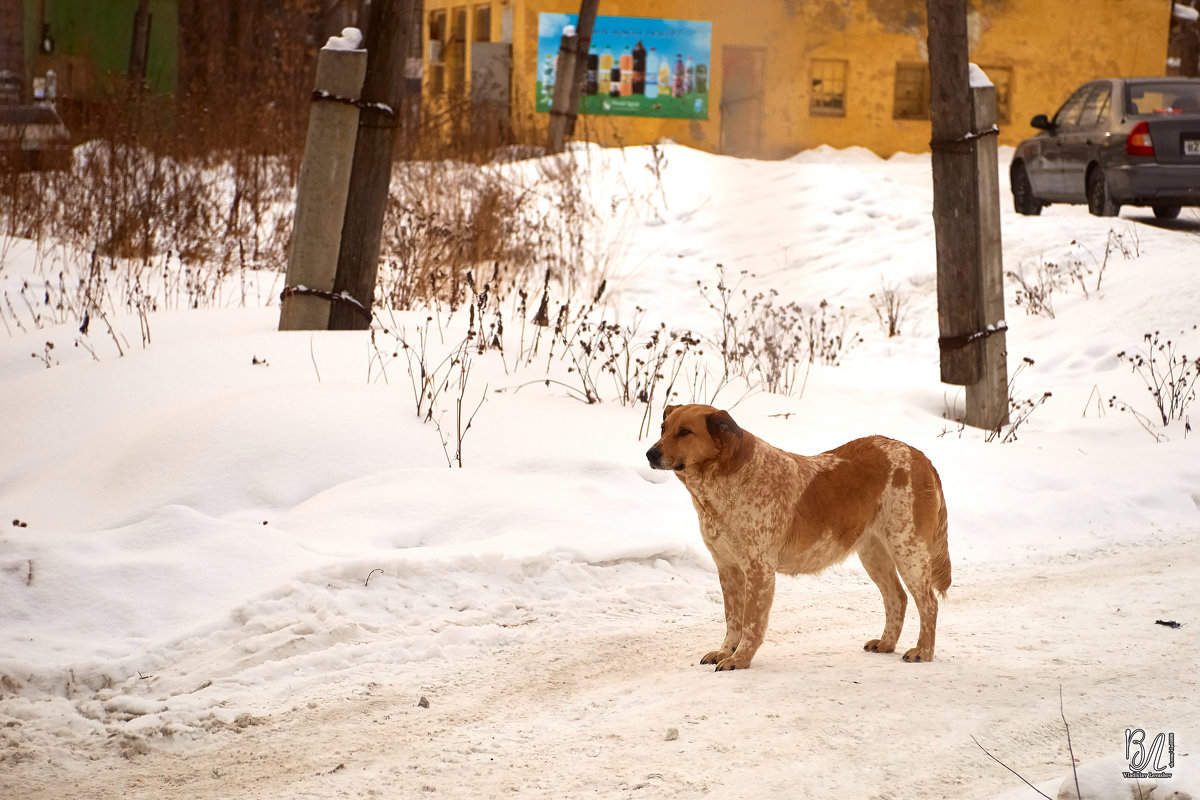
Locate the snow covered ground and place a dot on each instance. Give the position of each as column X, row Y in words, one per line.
column 233, row 563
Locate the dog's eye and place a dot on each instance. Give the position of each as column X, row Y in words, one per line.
column 684, row 432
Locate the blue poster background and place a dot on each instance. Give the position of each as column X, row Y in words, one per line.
column 676, row 74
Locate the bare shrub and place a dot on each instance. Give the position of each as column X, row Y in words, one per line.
column 442, row 222
column 774, row 343
column 889, row 305
column 1170, row 378
column 1020, row 408
column 1035, row 293
column 1079, row 267
column 829, row 335
column 1081, row 270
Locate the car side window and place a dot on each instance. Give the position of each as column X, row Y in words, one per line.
column 1068, row 115
column 1095, row 107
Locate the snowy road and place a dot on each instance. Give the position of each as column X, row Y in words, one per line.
column 587, row 712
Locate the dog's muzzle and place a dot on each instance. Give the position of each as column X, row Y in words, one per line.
column 654, row 456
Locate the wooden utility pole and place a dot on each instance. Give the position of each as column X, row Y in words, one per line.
column 571, row 69
column 139, row 47
column 389, row 29
column 966, row 222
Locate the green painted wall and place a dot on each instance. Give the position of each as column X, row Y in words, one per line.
column 99, row 32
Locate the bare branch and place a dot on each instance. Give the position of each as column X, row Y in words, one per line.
column 1010, row 769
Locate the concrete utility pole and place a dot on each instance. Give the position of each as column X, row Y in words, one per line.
column 572, row 67
column 389, row 28
column 321, row 191
column 966, row 215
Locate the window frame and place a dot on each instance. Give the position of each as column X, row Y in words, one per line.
column 908, row 69
column 481, row 22
column 828, row 102
column 455, row 51
column 1073, row 105
column 435, row 50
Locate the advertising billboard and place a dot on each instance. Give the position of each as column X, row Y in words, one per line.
column 636, row 66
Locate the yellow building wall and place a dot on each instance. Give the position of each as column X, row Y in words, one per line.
column 1053, row 46
column 1046, row 48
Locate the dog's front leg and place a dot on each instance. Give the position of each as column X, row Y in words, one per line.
column 758, row 593
column 733, row 591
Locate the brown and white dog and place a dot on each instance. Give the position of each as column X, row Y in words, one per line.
column 763, row 510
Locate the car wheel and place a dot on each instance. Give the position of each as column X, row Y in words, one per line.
column 1167, row 212
column 1024, row 200
column 1100, row 202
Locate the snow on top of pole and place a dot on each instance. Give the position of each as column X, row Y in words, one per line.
column 351, row 39
column 978, row 77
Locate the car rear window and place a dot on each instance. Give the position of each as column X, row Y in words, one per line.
column 1148, row 99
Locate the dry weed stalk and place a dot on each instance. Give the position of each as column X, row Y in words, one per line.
column 1170, row 378
column 889, row 305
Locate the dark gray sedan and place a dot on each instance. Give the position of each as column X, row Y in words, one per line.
column 1121, row 141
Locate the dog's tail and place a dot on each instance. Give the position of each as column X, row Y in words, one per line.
column 939, row 562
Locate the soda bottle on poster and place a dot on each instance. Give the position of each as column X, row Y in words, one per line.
column 593, row 67
column 639, row 69
column 677, row 82
column 604, row 79
column 548, row 77
column 652, row 74
column 626, row 73
column 614, row 82
column 689, row 77
column 664, row 77
column 701, row 78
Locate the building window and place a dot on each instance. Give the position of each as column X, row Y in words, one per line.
column 483, row 23
column 456, row 52
column 1001, row 78
column 436, row 52
column 828, row 98
column 912, row 92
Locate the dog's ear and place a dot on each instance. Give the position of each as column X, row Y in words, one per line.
column 668, row 411
column 721, row 425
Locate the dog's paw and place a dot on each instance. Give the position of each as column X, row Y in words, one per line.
column 715, row 657
column 730, row 663
column 879, row 646
column 917, row 655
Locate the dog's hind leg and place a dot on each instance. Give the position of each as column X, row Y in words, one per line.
column 927, row 605
column 879, row 565
column 733, row 589
column 915, row 568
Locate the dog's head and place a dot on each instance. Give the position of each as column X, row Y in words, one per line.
column 694, row 435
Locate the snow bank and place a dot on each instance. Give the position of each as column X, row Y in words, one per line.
column 218, row 530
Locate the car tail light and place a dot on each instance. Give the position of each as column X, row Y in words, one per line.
column 1139, row 142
